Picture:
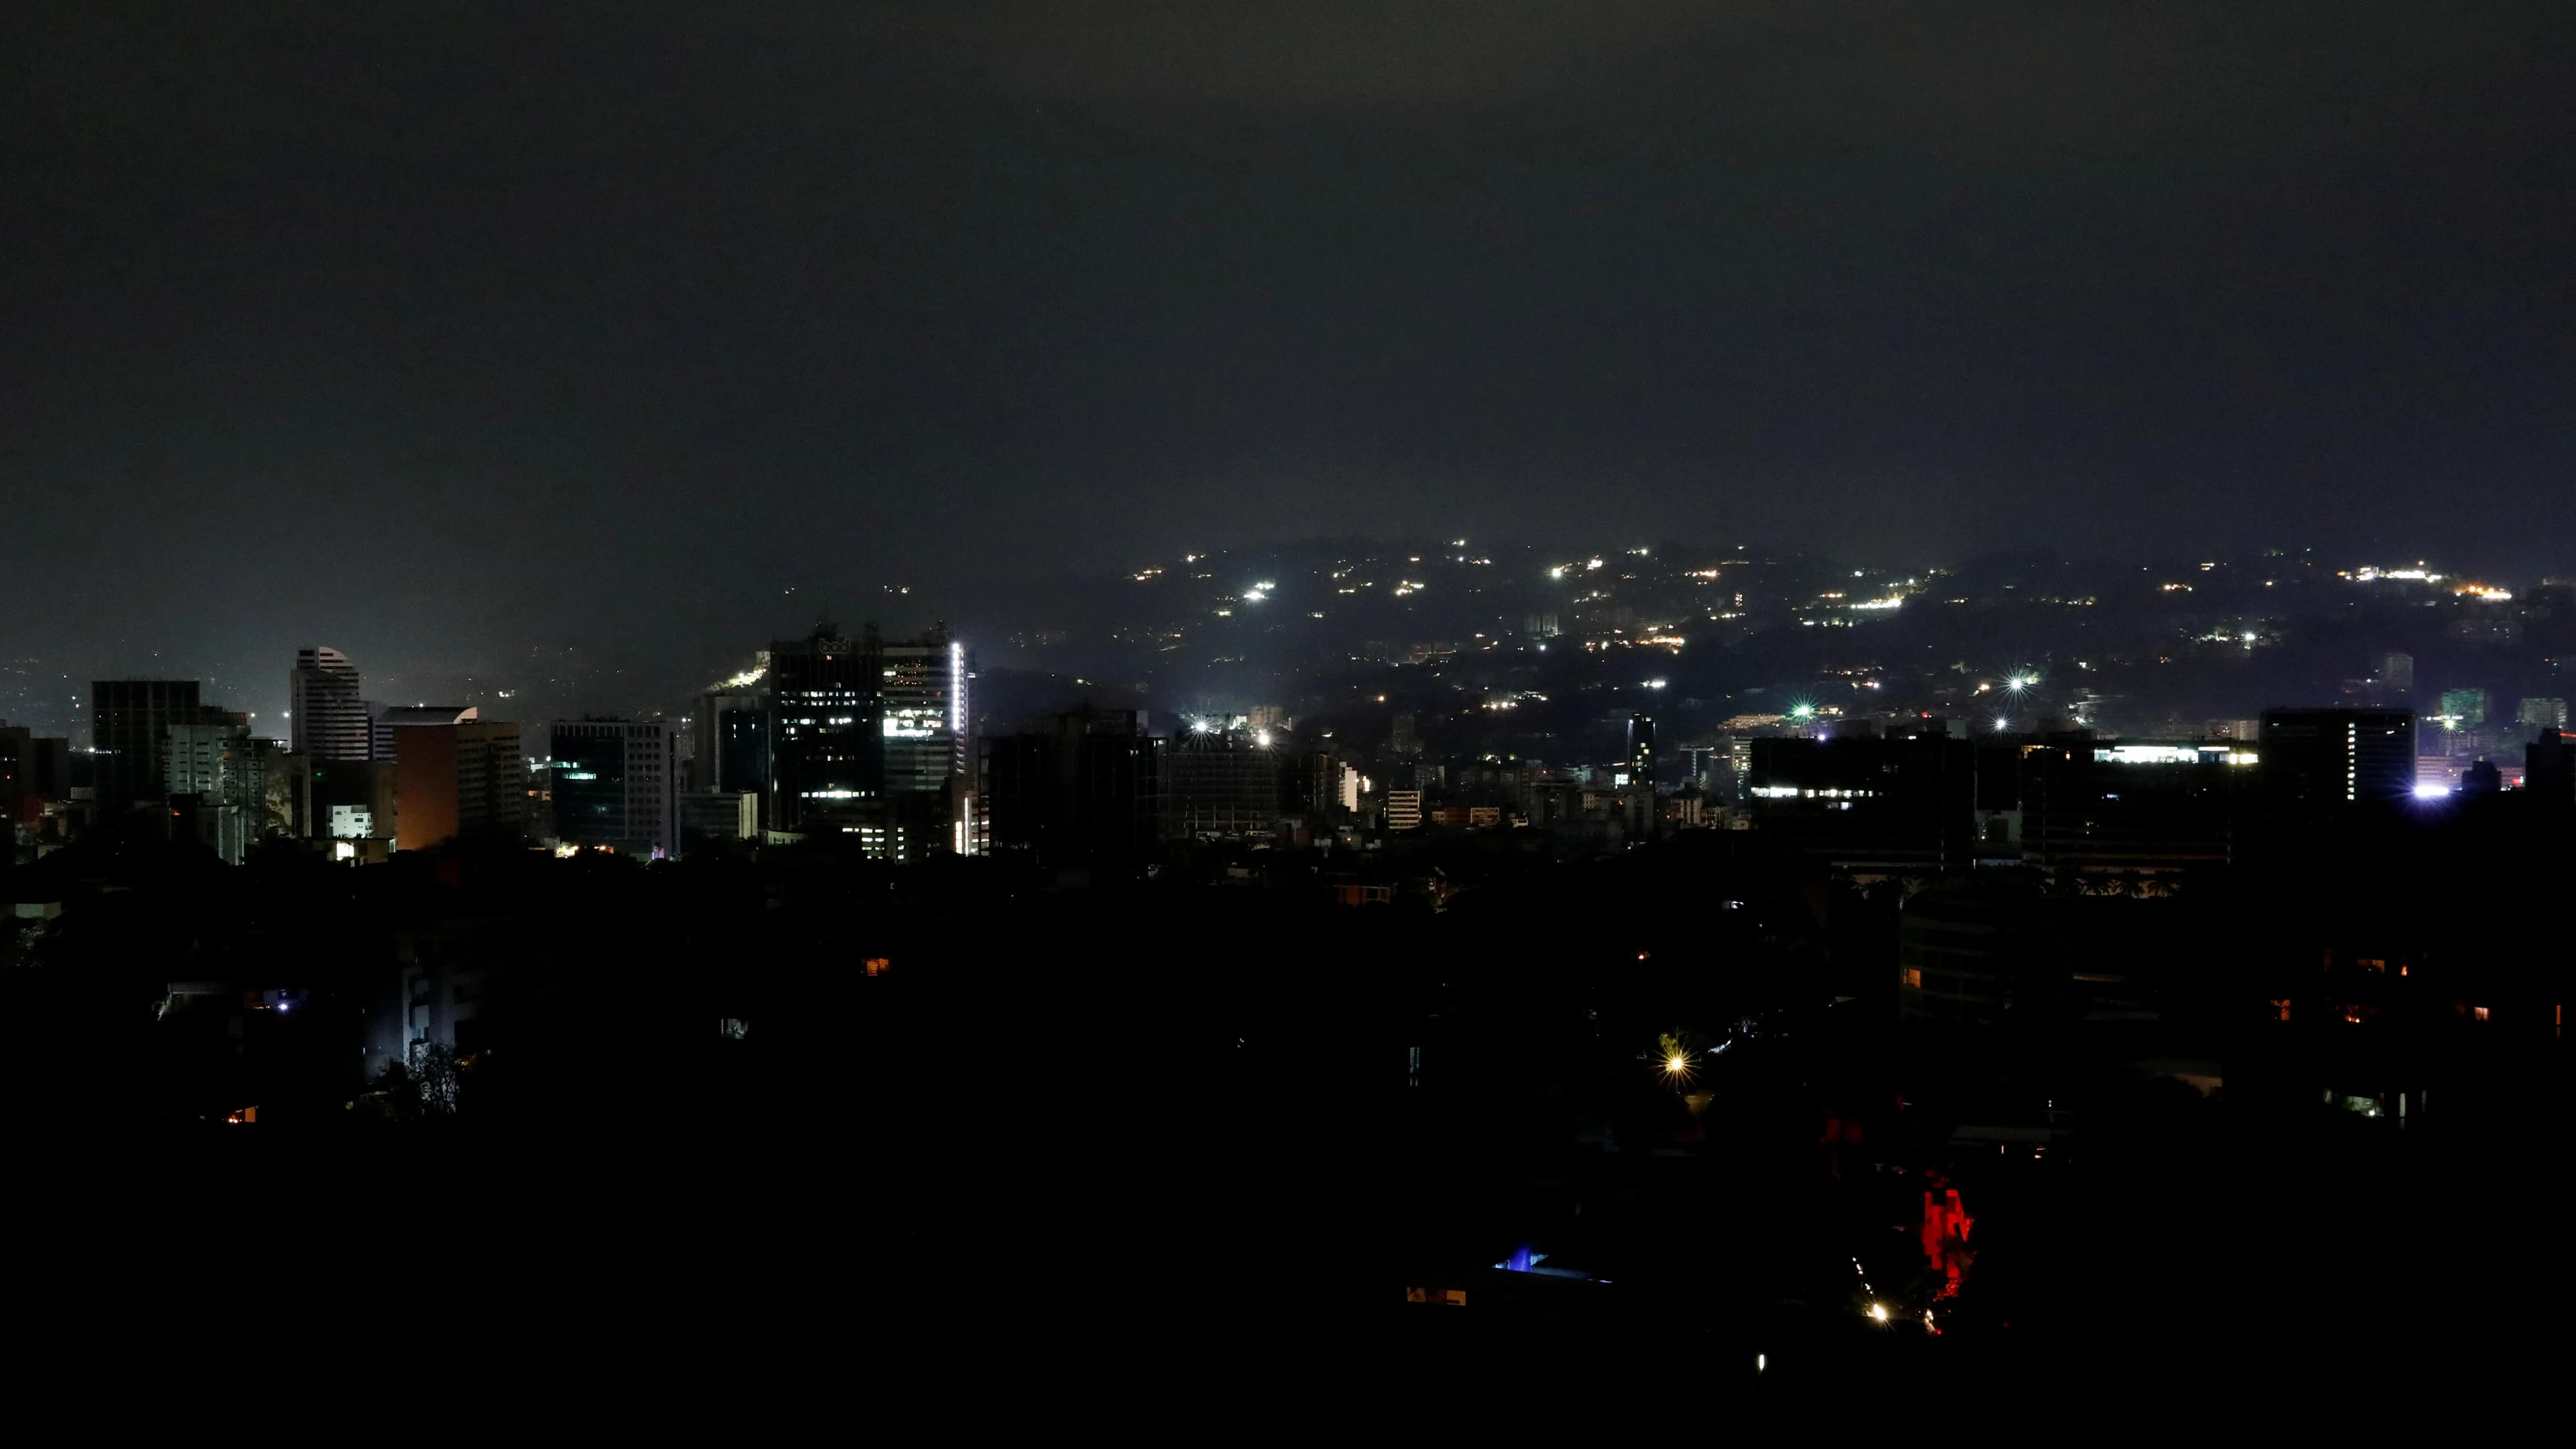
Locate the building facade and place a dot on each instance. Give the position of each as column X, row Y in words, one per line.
column 718, row 817
column 2323, row 757
column 1088, row 791
column 226, row 772
column 384, row 719
column 1221, row 783
column 326, row 719
column 130, row 722
column 458, row 780
column 616, row 784
column 868, row 742
column 729, row 737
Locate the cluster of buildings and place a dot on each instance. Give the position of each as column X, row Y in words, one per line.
column 859, row 737
column 870, row 742
column 863, row 739
column 355, row 778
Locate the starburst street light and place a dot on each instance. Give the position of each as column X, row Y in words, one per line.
column 1674, row 1061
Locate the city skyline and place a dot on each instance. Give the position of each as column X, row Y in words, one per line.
column 443, row 341
column 1824, row 703
column 650, row 676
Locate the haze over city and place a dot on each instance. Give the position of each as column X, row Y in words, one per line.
column 1810, row 706
column 454, row 336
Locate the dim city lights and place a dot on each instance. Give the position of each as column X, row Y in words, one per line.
column 738, row 456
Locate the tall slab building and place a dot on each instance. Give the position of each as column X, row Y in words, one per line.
column 457, row 780
column 327, row 720
column 130, row 722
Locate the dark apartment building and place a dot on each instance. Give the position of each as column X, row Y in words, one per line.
column 1221, row 783
column 1085, row 790
column 2325, row 757
column 1900, row 804
column 130, row 722
column 616, row 783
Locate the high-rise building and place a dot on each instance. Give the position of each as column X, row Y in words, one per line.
column 1641, row 748
column 1085, row 791
column 384, row 719
column 729, row 734
column 1402, row 741
column 868, row 738
column 1904, row 803
column 130, row 722
column 458, row 780
column 616, row 783
column 2394, row 672
column 2541, row 714
column 33, row 766
column 1221, row 783
column 2321, row 757
column 326, row 718
column 227, row 772
column 922, row 713
column 824, row 757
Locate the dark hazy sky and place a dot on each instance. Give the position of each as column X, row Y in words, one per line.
column 440, row 332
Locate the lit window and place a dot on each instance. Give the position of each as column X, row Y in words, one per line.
column 2478, row 1012
column 2281, row 1008
column 1914, row 976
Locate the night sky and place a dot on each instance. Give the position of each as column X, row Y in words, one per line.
column 445, row 334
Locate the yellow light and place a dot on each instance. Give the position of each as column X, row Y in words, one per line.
column 1878, row 1311
column 1676, row 1063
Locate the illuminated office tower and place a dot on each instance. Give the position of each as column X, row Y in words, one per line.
column 1641, row 749
column 824, row 770
column 326, row 718
column 922, row 712
column 868, row 739
column 922, row 725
